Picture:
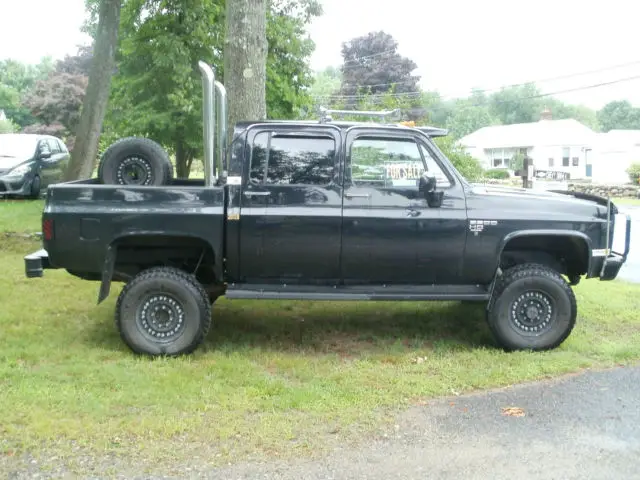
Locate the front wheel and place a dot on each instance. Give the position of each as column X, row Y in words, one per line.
column 34, row 189
column 163, row 311
column 533, row 308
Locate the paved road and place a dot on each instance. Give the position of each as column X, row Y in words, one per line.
column 631, row 270
column 581, row 427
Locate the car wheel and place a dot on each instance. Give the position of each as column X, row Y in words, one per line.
column 135, row 161
column 34, row 190
column 533, row 308
column 163, row 311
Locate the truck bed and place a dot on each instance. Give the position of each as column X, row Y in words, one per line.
column 84, row 220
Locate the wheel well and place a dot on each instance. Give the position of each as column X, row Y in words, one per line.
column 566, row 254
column 140, row 252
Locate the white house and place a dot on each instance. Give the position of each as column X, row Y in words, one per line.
column 2, row 115
column 562, row 146
column 613, row 152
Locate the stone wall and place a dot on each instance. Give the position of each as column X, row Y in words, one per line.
column 627, row 191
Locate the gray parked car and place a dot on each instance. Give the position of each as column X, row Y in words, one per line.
column 29, row 162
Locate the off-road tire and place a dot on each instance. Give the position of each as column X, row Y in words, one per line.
column 522, row 291
column 146, row 158
column 177, row 294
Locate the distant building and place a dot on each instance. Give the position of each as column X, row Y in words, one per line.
column 558, row 148
column 613, row 152
column 2, row 115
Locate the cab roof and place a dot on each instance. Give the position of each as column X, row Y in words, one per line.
column 343, row 124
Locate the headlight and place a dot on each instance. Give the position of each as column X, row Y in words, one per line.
column 19, row 171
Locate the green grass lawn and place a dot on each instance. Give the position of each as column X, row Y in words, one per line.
column 282, row 379
column 21, row 216
column 626, row 201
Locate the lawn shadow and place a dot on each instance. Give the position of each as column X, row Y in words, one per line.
column 326, row 328
column 347, row 328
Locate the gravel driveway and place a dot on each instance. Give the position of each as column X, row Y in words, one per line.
column 581, row 427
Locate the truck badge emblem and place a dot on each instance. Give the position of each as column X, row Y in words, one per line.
column 477, row 226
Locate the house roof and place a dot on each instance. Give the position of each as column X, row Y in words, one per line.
column 542, row 133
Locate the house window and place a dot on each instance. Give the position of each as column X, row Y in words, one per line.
column 551, row 162
column 575, row 161
column 566, row 153
column 500, row 157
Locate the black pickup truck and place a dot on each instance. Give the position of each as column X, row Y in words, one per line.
column 326, row 210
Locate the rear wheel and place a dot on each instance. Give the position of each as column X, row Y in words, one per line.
column 163, row 311
column 533, row 308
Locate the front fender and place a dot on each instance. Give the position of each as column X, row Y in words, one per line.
column 540, row 232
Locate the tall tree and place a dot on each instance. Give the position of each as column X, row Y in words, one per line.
column 468, row 117
column 372, row 64
column 157, row 90
column 619, row 115
column 245, row 59
column 16, row 82
column 55, row 102
column 517, row 104
column 289, row 48
column 98, row 89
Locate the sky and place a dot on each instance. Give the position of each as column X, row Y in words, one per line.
column 457, row 44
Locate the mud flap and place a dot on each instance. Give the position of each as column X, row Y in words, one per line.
column 107, row 273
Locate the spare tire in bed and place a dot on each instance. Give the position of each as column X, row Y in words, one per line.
column 135, row 161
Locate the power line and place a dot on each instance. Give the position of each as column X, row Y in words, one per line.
column 569, row 90
column 373, row 55
column 487, row 90
column 560, row 77
column 541, row 95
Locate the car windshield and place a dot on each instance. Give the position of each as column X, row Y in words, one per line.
column 17, row 146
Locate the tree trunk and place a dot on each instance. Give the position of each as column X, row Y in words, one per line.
column 85, row 150
column 245, row 60
column 184, row 160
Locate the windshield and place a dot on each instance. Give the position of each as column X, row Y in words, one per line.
column 17, row 146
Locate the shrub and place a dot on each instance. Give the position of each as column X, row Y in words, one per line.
column 468, row 166
column 497, row 174
column 634, row 172
column 7, row 126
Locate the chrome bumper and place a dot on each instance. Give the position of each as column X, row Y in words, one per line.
column 614, row 259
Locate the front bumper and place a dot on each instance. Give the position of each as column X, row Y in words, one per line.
column 15, row 185
column 35, row 263
column 614, row 260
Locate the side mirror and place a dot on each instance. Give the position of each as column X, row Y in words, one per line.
column 427, row 183
column 427, row 186
column 45, row 153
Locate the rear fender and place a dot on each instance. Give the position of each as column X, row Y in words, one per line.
column 112, row 253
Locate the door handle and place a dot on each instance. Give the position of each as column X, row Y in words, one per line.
column 249, row 193
column 357, row 195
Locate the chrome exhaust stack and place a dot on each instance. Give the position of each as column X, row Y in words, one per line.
column 213, row 91
column 209, row 120
column 222, row 129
